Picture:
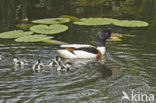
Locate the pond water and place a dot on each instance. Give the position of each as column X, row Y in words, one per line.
column 130, row 64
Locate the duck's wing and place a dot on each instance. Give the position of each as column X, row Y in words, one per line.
column 80, row 47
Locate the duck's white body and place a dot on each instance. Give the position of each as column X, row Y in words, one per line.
column 80, row 51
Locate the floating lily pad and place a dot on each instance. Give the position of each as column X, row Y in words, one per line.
column 52, row 29
column 15, row 34
column 72, row 18
column 51, row 20
column 130, row 23
column 33, row 38
column 24, row 26
column 54, row 41
column 95, row 21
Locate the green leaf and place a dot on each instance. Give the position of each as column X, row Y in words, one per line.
column 52, row 29
column 54, row 41
column 130, row 23
column 15, row 34
column 95, row 21
column 33, row 38
column 51, row 20
column 72, row 18
column 24, row 26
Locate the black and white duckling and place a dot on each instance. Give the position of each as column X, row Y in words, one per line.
column 55, row 62
column 1, row 57
column 19, row 62
column 66, row 67
column 38, row 66
column 86, row 51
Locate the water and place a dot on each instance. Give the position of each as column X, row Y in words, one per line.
column 130, row 64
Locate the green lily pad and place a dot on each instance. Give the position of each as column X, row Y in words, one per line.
column 51, row 20
column 72, row 18
column 122, row 35
column 33, row 38
column 95, row 21
column 52, row 29
column 130, row 23
column 15, row 34
column 54, row 41
column 24, row 26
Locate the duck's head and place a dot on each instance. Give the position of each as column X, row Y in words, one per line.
column 39, row 61
column 102, row 36
column 68, row 64
column 15, row 59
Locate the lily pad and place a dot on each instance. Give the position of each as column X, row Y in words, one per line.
column 24, row 26
column 15, row 34
column 130, row 23
column 33, row 38
column 95, row 21
column 52, row 29
column 54, row 41
column 51, row 20
column 72, row 18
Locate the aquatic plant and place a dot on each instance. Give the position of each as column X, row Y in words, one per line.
column 51, row 20
column 24, row 26
column 15, row 34
column 33, row 38
column 51, row 29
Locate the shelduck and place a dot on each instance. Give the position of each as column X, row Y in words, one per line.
column 64, row 67
column 38, row 66
column 54, row 62
column 86, row 51
column 19, row 62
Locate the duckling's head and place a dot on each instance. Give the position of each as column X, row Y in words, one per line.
column 39, row 61
column 15, row 59
column 68, row 64
column 102, row 36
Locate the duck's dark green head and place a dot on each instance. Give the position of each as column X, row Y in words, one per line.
column 102, row 36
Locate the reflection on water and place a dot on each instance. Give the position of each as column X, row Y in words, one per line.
column 129, row 65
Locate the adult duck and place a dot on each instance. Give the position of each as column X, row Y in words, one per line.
column 86, row 51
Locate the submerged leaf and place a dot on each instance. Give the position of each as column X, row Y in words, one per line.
column 54, row 41
column 15, row 34
column 24, row 26
column 33, row 38
column 51, row 20
column 52, row 29
column 95, row 21
column 130, row 23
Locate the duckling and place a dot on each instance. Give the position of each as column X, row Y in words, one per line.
column 19, row 62
column 1, row 57
column 55, row 62
column 38, row 66
column 65, row 67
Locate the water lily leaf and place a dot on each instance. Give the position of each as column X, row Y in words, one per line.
column 122, row 35
column 24, row 26
column 130, row 23
column 95, row 21
column 54, row 41
column 14, row 34
column 72, row 18
column 33, row 38
column 51, row 20
column 52, row 29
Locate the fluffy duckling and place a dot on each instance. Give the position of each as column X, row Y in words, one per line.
column 65, row 67
column 19, row 62
column 55, row 62
column 38, row 66
column 1, row 57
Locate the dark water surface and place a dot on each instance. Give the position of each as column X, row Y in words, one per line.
column 130, row 64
